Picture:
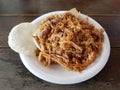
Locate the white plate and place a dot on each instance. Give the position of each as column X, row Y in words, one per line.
column 59, row 75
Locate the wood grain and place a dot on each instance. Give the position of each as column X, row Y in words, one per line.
column 14, row 74
column 44, row 6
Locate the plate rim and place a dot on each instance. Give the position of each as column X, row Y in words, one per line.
column 72, row 81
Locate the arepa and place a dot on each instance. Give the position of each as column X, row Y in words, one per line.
column 20, row 38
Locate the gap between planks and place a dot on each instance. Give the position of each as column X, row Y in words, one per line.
column 38, row 14
column 4, row 47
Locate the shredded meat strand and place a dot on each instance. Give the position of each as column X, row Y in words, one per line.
column 69, row 41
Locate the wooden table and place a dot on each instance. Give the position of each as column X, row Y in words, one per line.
column 14, row 75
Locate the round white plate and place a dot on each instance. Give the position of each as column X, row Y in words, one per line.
column 57, row 74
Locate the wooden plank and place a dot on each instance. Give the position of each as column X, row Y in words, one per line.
column 14, row 75
column 111, row 25
column 44, row 6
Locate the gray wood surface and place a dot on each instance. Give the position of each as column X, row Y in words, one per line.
column 14, row 75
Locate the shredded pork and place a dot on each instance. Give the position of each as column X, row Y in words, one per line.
column 69, row 41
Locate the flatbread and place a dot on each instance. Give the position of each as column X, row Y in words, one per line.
column 20, row 38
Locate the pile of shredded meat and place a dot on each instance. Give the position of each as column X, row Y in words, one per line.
column 68, row 40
